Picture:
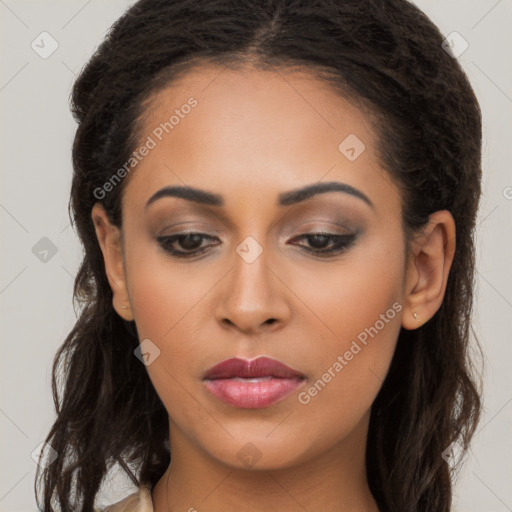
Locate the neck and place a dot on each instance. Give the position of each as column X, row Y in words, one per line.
column 333, row 481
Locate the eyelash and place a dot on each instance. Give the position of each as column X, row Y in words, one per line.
column 343, row 243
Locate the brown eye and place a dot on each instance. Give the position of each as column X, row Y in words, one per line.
column 190, row 244
column 319, row 242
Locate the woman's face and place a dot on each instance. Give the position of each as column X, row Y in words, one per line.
column 252, row 284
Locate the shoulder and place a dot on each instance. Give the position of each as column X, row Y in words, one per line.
column 139, row 501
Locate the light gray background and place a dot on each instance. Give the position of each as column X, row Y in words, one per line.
column 36, row 132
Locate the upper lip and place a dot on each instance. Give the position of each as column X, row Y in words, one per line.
column 260, row 367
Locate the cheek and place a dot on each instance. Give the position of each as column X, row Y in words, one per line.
column 165, row 299
column 353, row 319
column 344, row 298
column 162, row 292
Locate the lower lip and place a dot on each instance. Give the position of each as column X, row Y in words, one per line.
column 252, row 395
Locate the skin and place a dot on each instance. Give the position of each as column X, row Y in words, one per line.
column 253, row 135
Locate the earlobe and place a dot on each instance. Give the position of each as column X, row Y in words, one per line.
column 429, row 265
column 109, row 240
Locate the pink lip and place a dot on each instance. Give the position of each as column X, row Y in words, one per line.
column 229, row 382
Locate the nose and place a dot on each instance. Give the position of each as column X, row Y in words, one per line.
column 253, row 298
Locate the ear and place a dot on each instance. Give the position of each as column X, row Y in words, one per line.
column 109, row 238
column 429, row 264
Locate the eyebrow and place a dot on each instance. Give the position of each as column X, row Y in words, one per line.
column 285, row 199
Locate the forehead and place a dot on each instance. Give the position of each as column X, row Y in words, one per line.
column 253, row 130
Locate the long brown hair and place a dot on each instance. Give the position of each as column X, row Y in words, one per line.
column 388, row 57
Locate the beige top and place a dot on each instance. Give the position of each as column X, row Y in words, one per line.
column 139, row 501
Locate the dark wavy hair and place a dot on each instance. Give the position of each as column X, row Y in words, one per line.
column 384, row 55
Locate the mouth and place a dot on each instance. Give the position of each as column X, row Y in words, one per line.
column 252, row 384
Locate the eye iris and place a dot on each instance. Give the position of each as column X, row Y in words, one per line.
column 318, row 241
column 190, row 240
